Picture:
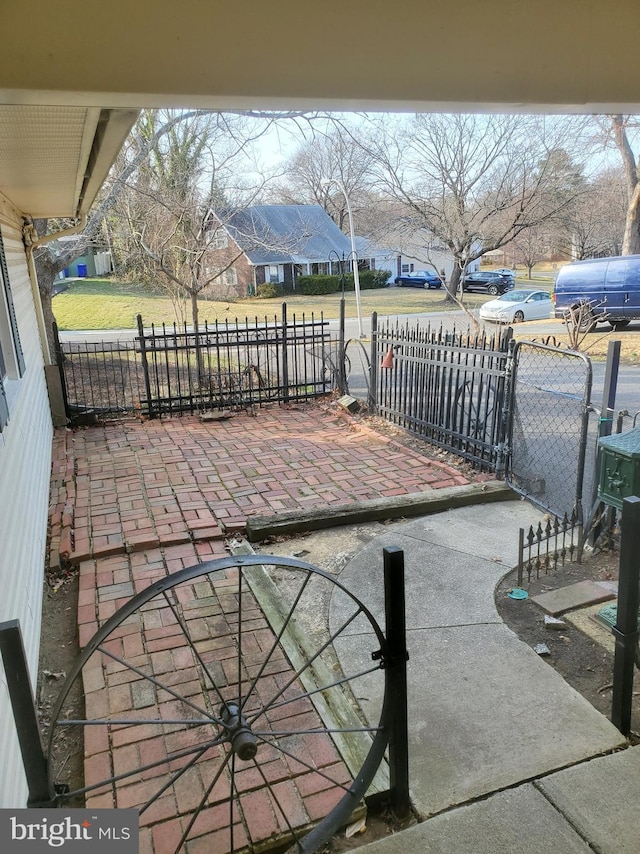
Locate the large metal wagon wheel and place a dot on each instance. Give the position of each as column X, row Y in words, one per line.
column 212, row 698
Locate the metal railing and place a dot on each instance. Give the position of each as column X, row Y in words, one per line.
column 543, row 548
column 446, row 387
column 171, row 369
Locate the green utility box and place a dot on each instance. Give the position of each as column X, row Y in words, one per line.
column 620, row 467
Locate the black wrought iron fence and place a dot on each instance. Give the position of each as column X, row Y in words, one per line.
column 171, row 369
column 542, row 548
column 448, row 387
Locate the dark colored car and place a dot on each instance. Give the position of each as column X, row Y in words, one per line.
column 488, row 281
column 419, row 279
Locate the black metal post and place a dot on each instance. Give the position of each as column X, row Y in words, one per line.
column 285, row 354
column 394, row 605
column 604, row 429
column 626, row 629
column 505, row 392
column 372, row 402
column 145, row 365
column 60, row 362
column 24, row 713
column 342, row 355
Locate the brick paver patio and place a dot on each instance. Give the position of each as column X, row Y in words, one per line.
column 132, row 502
column 128, row 487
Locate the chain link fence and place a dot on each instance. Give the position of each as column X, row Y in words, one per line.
column 551, row 393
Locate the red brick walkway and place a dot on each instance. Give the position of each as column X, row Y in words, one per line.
column 129, row 487
column 133, row 502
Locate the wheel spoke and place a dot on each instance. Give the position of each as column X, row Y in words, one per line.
column 302, row 762
column 314, row 731
column 277, row 802
column 276, row 641
column 158, row 684
column 171, row 757
column 336, row 684
column 203, row 800
column 233, row 793
column 192, row 647
column 240, row 577
column 175, row 776
column 189, row 722
column 306, row 665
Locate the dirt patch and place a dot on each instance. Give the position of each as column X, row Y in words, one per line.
column 58, row 650
column 582, row 661
column 380, row 822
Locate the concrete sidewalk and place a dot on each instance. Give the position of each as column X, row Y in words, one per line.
column 503, row 752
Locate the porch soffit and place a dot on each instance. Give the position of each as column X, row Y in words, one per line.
column 566, row 55
column 69, row 94
column 53, row 159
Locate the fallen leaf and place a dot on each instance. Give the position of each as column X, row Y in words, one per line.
column 358, row 826
column 51, row 674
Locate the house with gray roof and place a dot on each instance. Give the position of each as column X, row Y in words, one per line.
column 274, row 243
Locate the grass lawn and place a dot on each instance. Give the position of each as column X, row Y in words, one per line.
column 99, row 304
column 594, row 345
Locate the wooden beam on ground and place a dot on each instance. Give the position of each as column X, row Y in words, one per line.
column 377, row 509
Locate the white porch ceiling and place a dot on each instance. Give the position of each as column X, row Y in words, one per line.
column 53, row 159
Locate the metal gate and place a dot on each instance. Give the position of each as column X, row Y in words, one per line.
column 548, row 426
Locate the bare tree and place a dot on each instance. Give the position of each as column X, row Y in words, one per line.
column 531, row 246
column 163, row 223
column 596, row 224
column 474, row 182
column 621, row 127
column 51, row 257
column 324, row 162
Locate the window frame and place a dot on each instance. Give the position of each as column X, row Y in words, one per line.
column 12, row 364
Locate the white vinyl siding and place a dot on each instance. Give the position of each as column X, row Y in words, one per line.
column 25, row 464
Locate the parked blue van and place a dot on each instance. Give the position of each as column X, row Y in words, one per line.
column 611, row 286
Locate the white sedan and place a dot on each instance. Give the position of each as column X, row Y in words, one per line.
column 516, row 306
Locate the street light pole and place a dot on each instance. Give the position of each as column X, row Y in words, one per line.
column 354, row 254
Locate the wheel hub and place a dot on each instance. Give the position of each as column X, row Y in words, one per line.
column 243, row 741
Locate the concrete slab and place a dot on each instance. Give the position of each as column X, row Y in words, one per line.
column 586, row 621
column 443, row 587
column 578, row 595
column 485, row 713
column 487, row 531
column 601, row 799
column 518, row 821
column 453, row 562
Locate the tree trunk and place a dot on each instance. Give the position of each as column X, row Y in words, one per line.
column 47, row 269
column 452, row 283
column 194, row 310
column 196, row 338
column 631, row 240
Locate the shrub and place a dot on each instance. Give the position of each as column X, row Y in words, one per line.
column 268, row 291
column 372, row 279
column 317, row 285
